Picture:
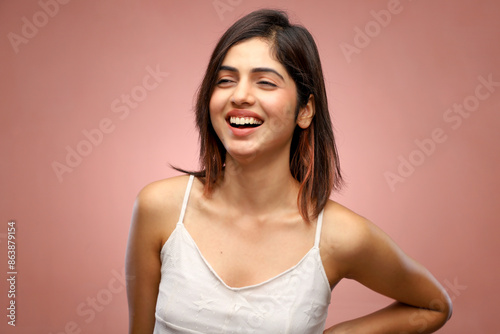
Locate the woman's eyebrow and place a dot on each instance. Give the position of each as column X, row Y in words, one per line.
column 254, row 70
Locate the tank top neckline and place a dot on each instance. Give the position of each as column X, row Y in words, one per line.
column 180, row 224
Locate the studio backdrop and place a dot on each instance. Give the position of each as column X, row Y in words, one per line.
column 96, row 101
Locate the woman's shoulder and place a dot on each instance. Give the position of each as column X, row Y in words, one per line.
column 159, row 203
column 163, row 193
column 345, row 234
column 343, row 223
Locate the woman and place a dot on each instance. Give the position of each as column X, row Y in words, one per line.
column 251, row 243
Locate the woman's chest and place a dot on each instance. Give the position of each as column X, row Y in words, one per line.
column 243, row 254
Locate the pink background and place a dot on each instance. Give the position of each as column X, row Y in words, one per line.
column 69, row 76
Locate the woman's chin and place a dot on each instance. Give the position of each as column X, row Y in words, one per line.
column 243, row 153
column 242, row 156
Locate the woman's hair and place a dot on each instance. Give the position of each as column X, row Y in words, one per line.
column 314, row 161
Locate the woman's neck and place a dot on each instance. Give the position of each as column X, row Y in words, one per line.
column 260, row 186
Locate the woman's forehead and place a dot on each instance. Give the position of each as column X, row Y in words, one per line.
column 254, row 50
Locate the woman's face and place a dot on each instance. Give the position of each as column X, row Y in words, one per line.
column 253, row 105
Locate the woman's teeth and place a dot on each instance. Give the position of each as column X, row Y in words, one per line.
column 244, row 121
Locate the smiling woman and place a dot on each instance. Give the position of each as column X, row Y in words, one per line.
column 251, row 243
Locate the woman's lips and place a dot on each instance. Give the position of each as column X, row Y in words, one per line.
column 243, row 122
column 242, row 131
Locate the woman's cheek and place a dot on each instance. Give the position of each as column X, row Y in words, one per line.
column 216, row 108
column 216, row 104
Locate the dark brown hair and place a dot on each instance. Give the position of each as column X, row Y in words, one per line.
column 314, row 161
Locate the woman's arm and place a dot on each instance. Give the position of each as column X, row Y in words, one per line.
column 142, row 263
column 366, row 254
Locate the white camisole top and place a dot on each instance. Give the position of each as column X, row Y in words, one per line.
column 192, row 298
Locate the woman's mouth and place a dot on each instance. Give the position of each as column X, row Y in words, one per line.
column 244, row 122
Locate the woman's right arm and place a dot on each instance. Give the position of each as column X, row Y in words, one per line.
column 142, row 263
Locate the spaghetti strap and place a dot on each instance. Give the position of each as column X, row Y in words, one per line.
column 319, row 223
column 186, row 197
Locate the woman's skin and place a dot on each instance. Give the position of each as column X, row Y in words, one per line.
column 250, row 229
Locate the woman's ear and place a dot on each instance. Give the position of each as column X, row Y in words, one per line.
column 306, row 114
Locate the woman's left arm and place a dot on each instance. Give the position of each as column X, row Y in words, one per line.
column 367, row 255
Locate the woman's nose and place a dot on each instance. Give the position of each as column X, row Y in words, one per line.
column 243, row 94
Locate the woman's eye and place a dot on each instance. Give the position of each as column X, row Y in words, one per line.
column 267, row 83
column 223, row 81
